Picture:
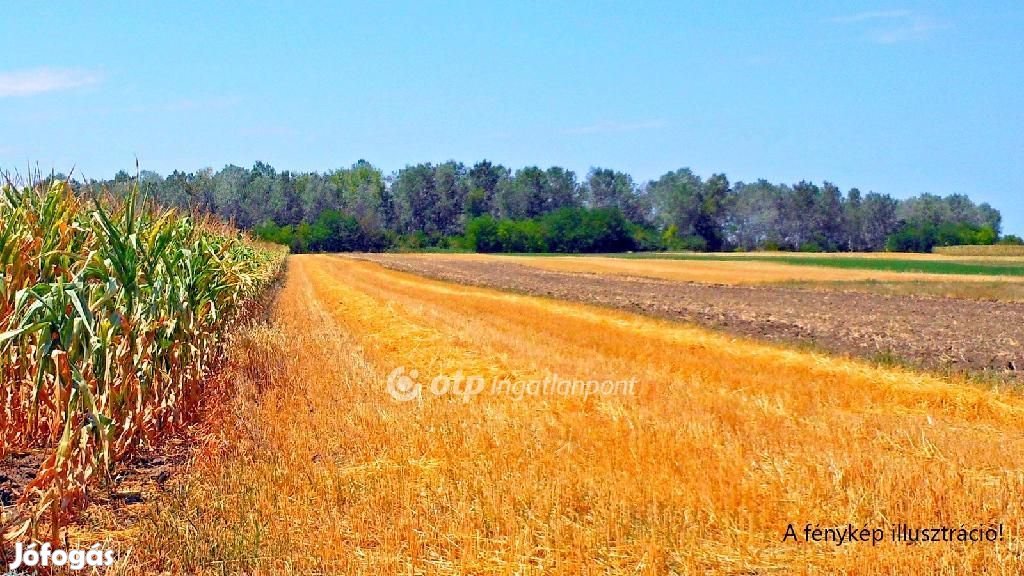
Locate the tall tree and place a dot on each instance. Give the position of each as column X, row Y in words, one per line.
column 798, row 218
column 753, row 217
column 829, row 217
column 605, row 188
column 362, row 194
column 484, row 180
column 562, row 190
column 853, row 221
column 452, row 184
column 416, row 199
column 689, row 209
column 879, row 213
column 710, row 219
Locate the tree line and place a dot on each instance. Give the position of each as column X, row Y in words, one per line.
column 490, row 207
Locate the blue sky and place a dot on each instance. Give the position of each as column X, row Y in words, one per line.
column 900, row 97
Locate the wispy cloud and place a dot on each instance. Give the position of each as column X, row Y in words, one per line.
column 615, row 127
column 916, row 30
column 871, row 15
column 42, row 80
column 892, row 26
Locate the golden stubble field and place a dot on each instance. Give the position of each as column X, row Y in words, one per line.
column 316, row 469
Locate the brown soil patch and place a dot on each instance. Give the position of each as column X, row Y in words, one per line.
column 928, row 332
column 16, row 471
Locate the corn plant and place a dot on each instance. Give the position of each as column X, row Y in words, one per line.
column 112, row 314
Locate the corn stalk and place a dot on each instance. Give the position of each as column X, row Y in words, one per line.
column 112, row 313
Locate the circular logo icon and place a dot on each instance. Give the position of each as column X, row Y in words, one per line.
column 403, row 387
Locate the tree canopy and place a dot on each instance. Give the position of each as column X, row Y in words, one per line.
column 490, row 207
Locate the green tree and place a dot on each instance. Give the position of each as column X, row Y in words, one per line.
column 695, row 210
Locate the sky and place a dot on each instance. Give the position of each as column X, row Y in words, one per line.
column 899, row 97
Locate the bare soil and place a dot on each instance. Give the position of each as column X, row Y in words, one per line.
column 16, row 471
column 144, row 474
column 935, row 333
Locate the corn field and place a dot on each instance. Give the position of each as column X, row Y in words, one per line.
column 112, row 312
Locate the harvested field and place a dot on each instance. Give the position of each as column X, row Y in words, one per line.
column 940, row 254
column 935, row 333
column 725, row 270
column 724, row 443
column 990, row 250
column 943, row 266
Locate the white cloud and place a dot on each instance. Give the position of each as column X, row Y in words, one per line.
column 916, row 30
column 891, row 26
column 613, row 127
column 41, row 80
column 871, row 15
